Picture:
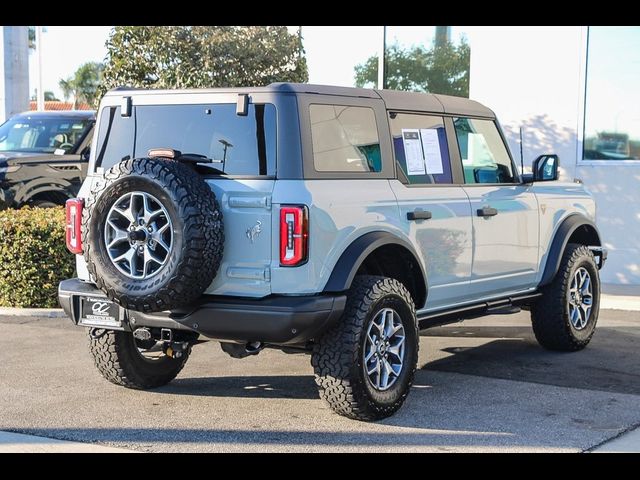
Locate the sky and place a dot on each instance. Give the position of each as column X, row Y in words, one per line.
column 64, row 49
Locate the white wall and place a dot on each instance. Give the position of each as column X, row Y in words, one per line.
column 534, row 77
column 14, row 71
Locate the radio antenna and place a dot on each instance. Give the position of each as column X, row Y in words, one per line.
column 521, row 156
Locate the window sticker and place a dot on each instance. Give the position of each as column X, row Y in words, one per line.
column 413, row 151
column 431, row 149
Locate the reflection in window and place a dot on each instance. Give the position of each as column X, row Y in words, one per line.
column 345, row 139
column 484, row 156
column 421, row 59
column 612, row 121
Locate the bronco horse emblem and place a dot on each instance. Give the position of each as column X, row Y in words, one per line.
column 255, row 231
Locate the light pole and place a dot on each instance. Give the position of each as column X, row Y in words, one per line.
column 381, row 57
column 40, row 92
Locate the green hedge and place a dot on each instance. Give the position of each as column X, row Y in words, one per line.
column 33, row 257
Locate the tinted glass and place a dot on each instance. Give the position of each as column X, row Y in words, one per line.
column 422, row 140
column 484, row 156
column 239, row 145
column 345, row 139
column 115, row 138
column 612, row 123
column 42, row 135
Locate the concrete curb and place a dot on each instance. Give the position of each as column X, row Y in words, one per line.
column 619, row 302
column 32, row 312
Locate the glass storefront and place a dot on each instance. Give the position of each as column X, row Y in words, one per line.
column 612, row 116
column 423, row 59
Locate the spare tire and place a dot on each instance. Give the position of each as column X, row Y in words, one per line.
column 152, row 233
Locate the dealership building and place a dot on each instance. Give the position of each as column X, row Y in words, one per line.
column 572, row 91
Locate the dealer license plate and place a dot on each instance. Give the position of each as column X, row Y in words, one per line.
column 99, row 311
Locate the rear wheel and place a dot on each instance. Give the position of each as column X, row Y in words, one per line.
column 131, row 363
column 364, row 365
column 565, row 317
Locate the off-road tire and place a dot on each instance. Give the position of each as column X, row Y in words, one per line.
column 550, row 314
column 197, row 234
column 337, row 357
column 116, row 357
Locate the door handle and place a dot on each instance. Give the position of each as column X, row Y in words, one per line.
column 419, row 215
column 487, row 212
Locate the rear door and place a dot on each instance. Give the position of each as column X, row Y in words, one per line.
column 435, row 211
column 243, row 147
column 504, row 212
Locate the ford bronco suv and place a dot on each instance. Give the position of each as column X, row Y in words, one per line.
column 328, row 220
column 44, row 157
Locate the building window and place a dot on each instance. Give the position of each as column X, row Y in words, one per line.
column 417, row 58
column 345, row 139
column 611, row 119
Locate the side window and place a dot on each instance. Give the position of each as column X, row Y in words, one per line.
column 420, row 147
column 115, row 138
column 484, row 156
column 345, row 139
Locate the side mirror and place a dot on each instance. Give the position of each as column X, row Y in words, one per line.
column 545, row 169
column 84, row 154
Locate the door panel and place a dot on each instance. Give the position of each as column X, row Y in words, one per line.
column 505, row 245
column 444, row 240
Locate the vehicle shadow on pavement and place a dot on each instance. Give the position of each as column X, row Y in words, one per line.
column 610, row 363
column 301, row 387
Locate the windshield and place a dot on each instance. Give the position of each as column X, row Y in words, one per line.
column 42, row 135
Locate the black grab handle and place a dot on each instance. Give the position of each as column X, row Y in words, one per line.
column 419, row 215
column 487, row 212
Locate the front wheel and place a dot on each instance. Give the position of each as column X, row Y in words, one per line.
column 125, row 361
column 565, row 317
column 364, row 365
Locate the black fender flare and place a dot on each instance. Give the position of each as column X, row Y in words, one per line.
column 40, row 185
column 355, row 254
column 560, row 240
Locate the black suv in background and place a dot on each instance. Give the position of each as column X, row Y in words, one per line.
column 43, row 157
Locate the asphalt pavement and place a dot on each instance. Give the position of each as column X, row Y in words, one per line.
column 482, row 385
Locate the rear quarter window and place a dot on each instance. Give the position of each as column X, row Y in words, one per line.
column 344, row 139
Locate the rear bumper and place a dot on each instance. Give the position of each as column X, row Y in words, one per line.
column 280, row 320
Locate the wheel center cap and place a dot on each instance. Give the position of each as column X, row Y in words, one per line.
column 382, row 347
column 139, row 235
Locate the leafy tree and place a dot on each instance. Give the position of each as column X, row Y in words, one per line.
column 49, row 96
column 83, row 84
column 443, row 69
column 202, row 56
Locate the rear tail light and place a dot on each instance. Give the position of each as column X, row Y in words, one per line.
column 294, row 235
column 74, row 222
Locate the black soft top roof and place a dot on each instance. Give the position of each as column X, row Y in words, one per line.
column 394, row 100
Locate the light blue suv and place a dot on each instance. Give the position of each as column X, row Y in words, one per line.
column 328, row 220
